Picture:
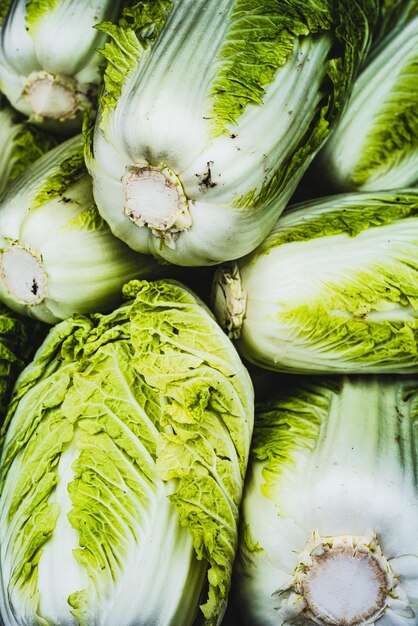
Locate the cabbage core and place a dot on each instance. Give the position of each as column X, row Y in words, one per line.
column 23, row 275
column 341, row 580
column 154, row 197
column 52, row 96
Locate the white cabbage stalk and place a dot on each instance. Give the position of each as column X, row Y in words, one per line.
column 21, row 144
column 211, row 113
column 333, row 288
column 122, row 468
column 330, row 506
column 375, row 143
column 49, row 64
column 57, row 255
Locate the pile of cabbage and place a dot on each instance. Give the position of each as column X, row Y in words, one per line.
column 208, row 313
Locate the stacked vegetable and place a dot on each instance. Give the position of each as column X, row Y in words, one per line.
column 330, row 513
column 135, row 429
column 180, row 441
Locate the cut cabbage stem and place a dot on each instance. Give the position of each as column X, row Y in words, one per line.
column 229, row 299
column 359, row 572
column 52, row 96
column 342, row 580
column 23, row 275
column 154, row 197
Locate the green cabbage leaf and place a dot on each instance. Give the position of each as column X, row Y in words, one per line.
column 19, row 337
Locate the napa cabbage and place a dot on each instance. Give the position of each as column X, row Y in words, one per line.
column 329, row 521
column 211, row 112
column 49, row 64
column 122, row 467
column 333, row 288
column 57, row 254
column 375, row 144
